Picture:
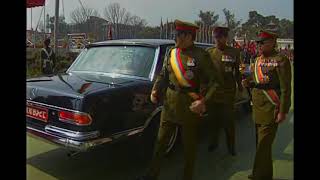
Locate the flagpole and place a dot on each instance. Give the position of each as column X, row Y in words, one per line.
column 171, row 34
column 199, row 34
column 56, row 18
column 206, row 34
column 31, row 19
column 203, row 31
column 208, row 30
column 202, row 38
column 167, row 29
column 44, row 19
column 161, row 28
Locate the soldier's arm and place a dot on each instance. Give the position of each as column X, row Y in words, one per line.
column 284, row 73
column 211, row 75
column 162, row 79
column 217, row 67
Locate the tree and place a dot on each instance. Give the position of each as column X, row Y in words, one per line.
column 286, row 28
column 82, row 14
column 231, row 22
column 257, row 22
column 120, row 17
column 63, row 27
column 137, row 24
column 207, row 18
column 149, row 32
column 117, row 15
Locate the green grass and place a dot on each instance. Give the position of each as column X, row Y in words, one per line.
column 34, row 71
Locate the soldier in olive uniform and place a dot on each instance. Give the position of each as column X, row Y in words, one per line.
column 271, row 100
column 221, row 110
column 185, row 67
column 47, row 58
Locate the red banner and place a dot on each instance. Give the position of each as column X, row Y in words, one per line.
column 35, row 3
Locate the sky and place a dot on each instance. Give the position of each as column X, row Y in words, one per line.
column 186, row 10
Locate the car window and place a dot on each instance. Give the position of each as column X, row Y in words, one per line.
column 126, row 60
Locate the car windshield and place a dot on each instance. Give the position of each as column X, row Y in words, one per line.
column 122, row 60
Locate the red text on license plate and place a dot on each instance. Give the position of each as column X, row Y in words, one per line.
column 37, row 113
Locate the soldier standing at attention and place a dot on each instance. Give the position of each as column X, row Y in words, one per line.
column 185, row 67
column 221, row 112
column 47, row 58
column 271, row 100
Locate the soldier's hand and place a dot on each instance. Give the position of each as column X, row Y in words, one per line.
column 198, row 106
column 281, row 117
column 154, row 97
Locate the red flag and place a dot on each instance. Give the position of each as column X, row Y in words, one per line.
column 110, row 32
column 35, row 3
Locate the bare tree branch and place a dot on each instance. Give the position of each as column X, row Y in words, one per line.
column 116, row 15
column 81, row 15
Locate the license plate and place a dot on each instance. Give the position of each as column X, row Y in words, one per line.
column 37, row 113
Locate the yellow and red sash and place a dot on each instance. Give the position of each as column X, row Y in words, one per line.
column 259, row 78
column 180, row 72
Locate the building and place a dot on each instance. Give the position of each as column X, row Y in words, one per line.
column 285, row 43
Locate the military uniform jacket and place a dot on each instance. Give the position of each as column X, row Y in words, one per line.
column 274, row 72
column 176, row 102
column 228, row 62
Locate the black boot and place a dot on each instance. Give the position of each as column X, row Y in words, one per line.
column 250, row 176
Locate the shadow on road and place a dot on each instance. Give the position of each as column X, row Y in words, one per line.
column 120, row 161
column 124, row 162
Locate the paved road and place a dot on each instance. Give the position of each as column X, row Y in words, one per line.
column 121, row 162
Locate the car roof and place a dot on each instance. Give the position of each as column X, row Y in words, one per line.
column 145, row 42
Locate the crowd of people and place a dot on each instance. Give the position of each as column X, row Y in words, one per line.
column 249, row 51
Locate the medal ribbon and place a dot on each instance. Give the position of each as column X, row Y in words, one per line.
column 180, row 73
column 259, row 78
